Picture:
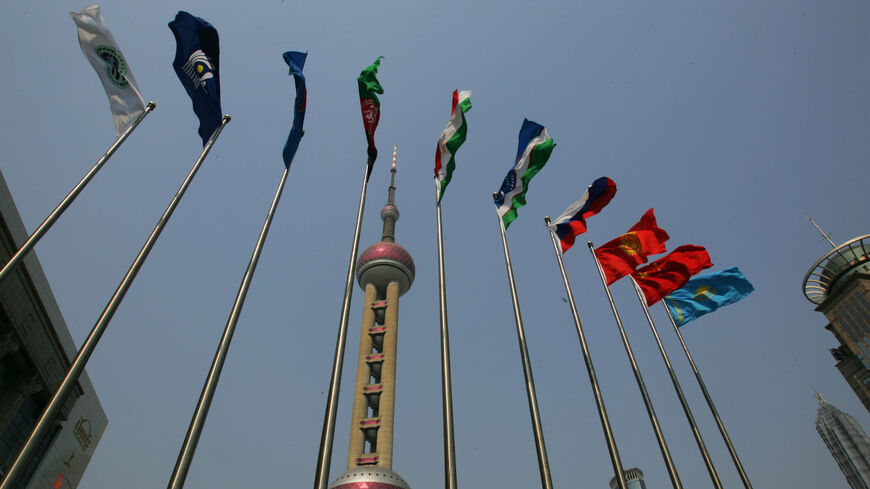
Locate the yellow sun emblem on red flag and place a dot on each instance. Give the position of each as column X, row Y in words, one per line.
column 651, row 271
column 629, row 244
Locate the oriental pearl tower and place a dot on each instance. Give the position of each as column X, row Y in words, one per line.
column 385, row 270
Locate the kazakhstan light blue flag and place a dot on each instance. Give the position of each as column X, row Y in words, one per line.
column 706, row 293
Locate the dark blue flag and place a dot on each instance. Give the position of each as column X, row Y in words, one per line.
column 196, row 64
column 296, row 61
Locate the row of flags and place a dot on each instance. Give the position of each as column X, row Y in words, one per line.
column 196, row 63
column 668, row 279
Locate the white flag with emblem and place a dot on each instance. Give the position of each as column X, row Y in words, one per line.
column 100, row 49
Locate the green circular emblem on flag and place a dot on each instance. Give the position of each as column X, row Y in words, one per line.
column 116, row 66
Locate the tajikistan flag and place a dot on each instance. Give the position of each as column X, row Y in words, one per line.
column 450, row 141
column 534, row 150
column 100, row 49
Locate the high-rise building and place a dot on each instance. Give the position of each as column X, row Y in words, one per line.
column 839, row 285
column 847, row 442
column 35, row 348
column 633, row 479
column 385, row 270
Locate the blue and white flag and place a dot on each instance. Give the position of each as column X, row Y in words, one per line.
column 99, row 47
column 572, row 222
column 707, row 293
column 533, row 151
column 196, row 63
column 296, row 61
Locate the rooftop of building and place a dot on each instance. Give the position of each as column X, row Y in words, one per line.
column 831, row 270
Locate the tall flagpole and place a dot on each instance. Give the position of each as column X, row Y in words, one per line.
column 590, row 369
column 540, row 446
column 446, row 384
column 719, row 424
column 660, row 438
column 324, row 456
column 78, row 364
column 708, row 462
column 55, row 214
column 191, row 439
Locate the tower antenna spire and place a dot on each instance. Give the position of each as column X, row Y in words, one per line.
column 390, row 212
column 826, row 236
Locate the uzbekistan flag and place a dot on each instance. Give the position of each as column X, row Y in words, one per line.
column 533, row 151
column 572, row 222
column 450, row 140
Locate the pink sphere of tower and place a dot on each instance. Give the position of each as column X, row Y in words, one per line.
column 385, row 262
column 371, row 477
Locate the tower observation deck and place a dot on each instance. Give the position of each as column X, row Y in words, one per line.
column 385, row 271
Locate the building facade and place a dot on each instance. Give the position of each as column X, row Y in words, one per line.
column 847, row 442
column 633, row 479
column 385, row 271
column 35, row 348
column 839, row 285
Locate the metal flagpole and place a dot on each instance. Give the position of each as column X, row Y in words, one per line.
column 78, row 364
column 599, row 400
column 55, row 214
column 446, row 384
column 708, row 462
column 327, row 436
column 719, row 423
column 660, row 438
column 540, row 446
column 191, row 439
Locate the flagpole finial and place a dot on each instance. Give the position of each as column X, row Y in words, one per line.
column 547, row 220
column 227, row 118
column 589, row 243
column 151, row 105
column 494, row 195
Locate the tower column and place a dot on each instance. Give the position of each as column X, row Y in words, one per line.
column 388, row 377
column 363, row 374
column 385, row 270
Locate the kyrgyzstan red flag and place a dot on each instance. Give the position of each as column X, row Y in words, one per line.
column 671, row 272
column 619, row 257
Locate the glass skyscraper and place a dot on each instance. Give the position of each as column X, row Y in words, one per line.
column 847, row 442
column 839, row 285
column 633, row 479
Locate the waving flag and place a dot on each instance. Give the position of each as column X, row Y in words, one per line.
column 369, row 88
column 100, row 48
column 196, row 63
column 620, row 256
column 707, row 293
column 296, row 61
column 450, row 140
column 671, row 272
column 572, row 222
column 533, row 151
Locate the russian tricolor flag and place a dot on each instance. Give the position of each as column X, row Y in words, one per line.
column 573, row 221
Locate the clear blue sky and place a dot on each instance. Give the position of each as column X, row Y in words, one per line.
column 734, row 121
